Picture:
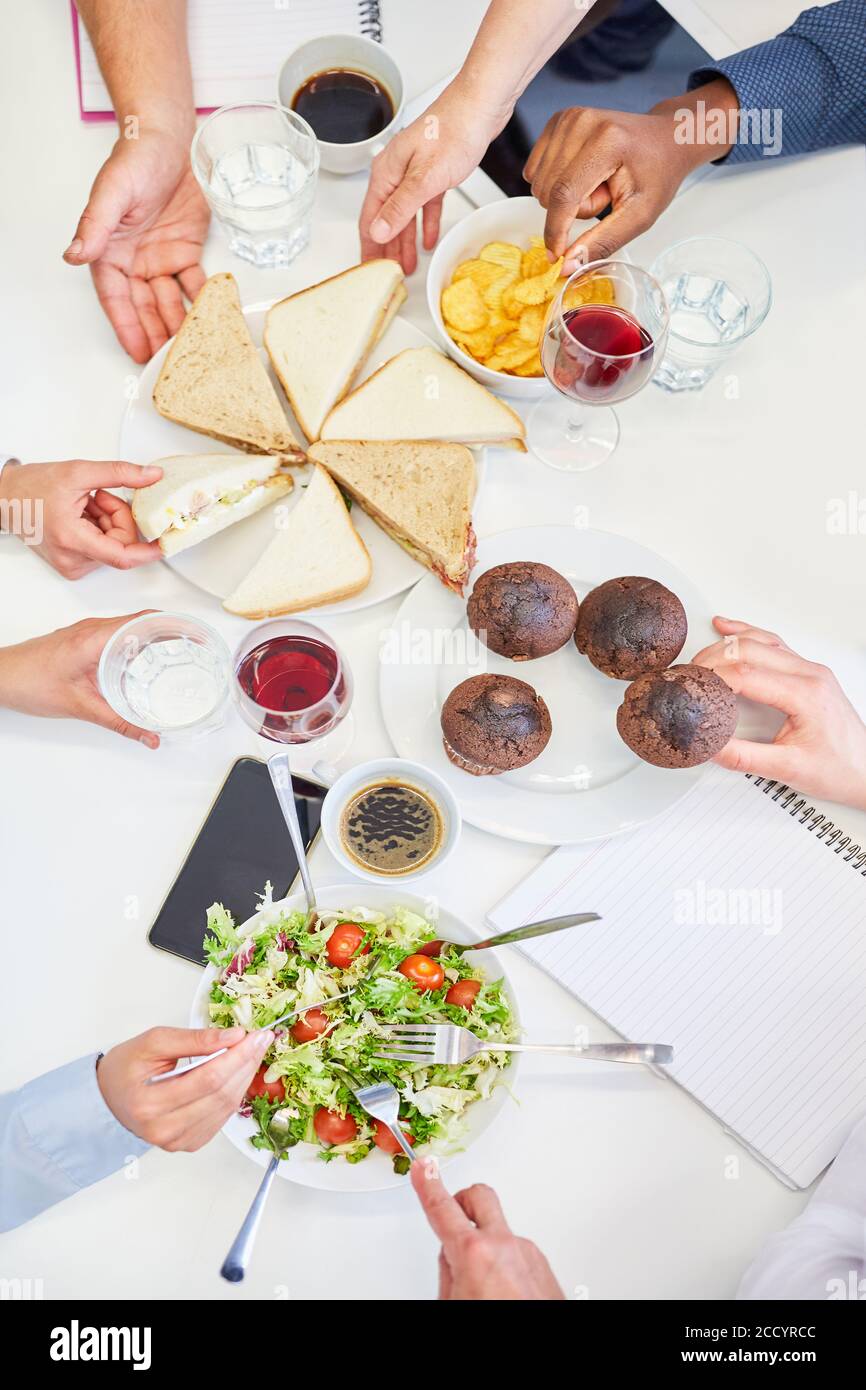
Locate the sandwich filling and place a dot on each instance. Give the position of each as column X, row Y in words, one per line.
column 204, row 507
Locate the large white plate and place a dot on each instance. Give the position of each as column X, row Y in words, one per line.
column 375, row 1173
column 218, row 565
column 587, row 783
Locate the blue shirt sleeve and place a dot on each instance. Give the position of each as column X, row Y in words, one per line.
column 57, row 1135
column 811, row 80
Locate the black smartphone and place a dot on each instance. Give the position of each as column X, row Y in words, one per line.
column 243, row 843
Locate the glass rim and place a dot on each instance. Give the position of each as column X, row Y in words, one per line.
column 762, row 267
column 277, row 106
column 630, row 266
column 283, row 713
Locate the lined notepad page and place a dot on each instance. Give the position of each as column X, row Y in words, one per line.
column 237, row 47
column 732, row 932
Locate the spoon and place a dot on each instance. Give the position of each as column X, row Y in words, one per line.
column 281, row 777
column 234, row 1265
column 505, row 938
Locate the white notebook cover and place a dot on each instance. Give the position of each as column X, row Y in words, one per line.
column 734, row 928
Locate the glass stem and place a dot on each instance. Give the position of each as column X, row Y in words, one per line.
column 574, row 429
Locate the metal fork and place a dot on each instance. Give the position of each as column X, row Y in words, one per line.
column 449, row 1045
column 382, row 1101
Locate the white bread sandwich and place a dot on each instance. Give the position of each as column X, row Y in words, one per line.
column 319, row 339
column 214, row 381
column 422, row 394
column 316, row 557
column 420, row 493
column 199, row 495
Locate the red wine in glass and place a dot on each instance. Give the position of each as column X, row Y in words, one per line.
column 298, row 684
column 599, row 352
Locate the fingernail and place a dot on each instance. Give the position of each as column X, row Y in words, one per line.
column 74, row 249
column 380, row 230
column 234, row 1034
column 264, row 1040
column 149, row 740
column 430, row 1167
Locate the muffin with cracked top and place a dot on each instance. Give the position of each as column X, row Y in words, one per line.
column 522, row 610
column 493, row 724
column 679, row 717
column 631, row 626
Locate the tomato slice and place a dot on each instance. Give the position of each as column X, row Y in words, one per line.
column 463, row 993
column 423, row 972
column 333, row 1128
column 385, row 1140
column 344, row 944
column 274, row 1090
column 311, row 1024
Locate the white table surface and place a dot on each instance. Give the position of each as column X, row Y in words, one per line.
column 724, row 27
column 619, row 1177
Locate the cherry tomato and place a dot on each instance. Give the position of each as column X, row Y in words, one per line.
column 333, row 1128
column 274, row 1090
column 311, row 1024
column 463, row 993
column 343, row 944
column 423, row 972
column 385, row 1140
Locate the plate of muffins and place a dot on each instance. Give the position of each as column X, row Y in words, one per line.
column 557, row 698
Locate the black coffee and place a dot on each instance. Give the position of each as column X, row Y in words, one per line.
column 391, row 828
column 344, row 107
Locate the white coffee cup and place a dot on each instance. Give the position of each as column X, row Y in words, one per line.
column 408, row 774
column 357, row 54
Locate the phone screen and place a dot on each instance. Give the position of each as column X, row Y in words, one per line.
column 243, row 843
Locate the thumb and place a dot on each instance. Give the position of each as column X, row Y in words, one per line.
column 414, row 190
column 91, row 475
column 168, row 1044
column 603, row 240
column 109, row 201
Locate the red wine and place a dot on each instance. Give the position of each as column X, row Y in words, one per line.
column 603, row 352
column 289, row 674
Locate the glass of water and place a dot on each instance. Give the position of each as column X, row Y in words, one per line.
column 719, row 292
column 168, row 673
column 257, row 164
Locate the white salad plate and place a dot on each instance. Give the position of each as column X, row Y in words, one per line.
column 586, row 784
column 374, row 1173
column 217, row 565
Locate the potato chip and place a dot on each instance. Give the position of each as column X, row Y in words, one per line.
column 533, row 262
column 575, row 295
column 511, row 306
column 502, row 253
column 532, row 323
column 481, row 273
column 463, row 307
column 480, row 343
column 541, row 287
column 602, row 290
column 492, row 296
column 500, row 324
column 531, row 367
column 512, row 352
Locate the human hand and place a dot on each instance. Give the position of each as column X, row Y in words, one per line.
column 415, row 170
column 585, row 159
column 481, row 1258
column 186, row 1112
column 821, row 747
column 55, row 677
column 82, row 525
column 142, row 234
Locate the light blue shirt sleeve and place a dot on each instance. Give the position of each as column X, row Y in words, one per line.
column 57, row 1135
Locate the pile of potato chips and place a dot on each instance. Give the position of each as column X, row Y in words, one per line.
column 496, row 305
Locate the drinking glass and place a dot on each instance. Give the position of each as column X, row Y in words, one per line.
column 719, row 293
column 292, row 684
column 257, row 164
column 605, row 330
column 168, row 673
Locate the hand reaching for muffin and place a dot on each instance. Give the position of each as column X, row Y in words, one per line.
column 821, row 747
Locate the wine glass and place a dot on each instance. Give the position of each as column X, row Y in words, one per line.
column 292, row 685
column 605, row 331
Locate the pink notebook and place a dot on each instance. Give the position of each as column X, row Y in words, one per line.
column 236, row 47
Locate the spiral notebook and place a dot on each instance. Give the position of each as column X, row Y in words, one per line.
column 734, row 928
column 236, row 46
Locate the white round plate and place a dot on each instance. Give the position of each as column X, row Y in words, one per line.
column 374, row 1173
column 586, row 784
column 219, row 564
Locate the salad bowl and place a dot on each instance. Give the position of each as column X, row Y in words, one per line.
column 375, row 1172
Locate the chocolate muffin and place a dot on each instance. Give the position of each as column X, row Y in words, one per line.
column 523, row 610
column 677, row 718
column 493, row 724
column 628, row 627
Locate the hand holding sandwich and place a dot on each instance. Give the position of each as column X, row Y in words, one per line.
column 76, row 523
column 55, row 677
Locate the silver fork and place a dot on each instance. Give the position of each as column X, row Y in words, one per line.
column 449, row 1045
column 382, row 1101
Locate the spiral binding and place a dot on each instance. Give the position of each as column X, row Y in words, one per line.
column 815, row 821
column 371, row 19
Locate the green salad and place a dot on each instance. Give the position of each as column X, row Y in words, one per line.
column 276, row 964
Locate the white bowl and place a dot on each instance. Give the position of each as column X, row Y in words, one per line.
column 514, row 220
column 359, row 54
column 376, row 1172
